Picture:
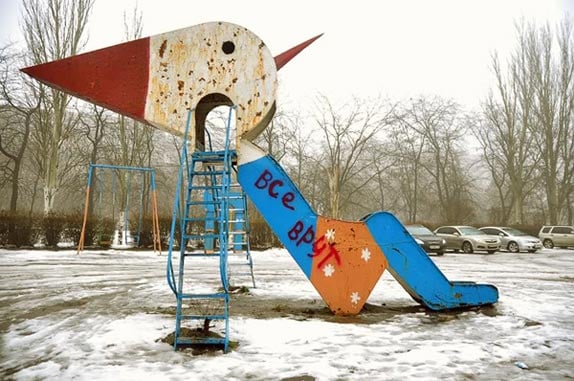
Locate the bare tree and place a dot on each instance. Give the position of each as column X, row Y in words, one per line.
column 554, row 97
column 409, row 145
column 348, row 132
column 19, row 110
column 277, row 137
column 438, row 122
column 54, row 29
column 505, row 133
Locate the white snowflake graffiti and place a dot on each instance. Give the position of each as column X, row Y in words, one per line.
column 330, row 235
column 328, row 270
column 355, row 297
column 366, row 254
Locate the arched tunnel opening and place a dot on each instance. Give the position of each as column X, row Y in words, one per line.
column 211, row 120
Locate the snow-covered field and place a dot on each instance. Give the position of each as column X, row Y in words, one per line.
column 98, row 316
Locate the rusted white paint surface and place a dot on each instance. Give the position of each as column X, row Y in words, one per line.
column 188, row 64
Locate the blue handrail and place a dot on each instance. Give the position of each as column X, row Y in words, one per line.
column 170, row 273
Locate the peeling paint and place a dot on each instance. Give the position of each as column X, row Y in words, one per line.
column 196, row 56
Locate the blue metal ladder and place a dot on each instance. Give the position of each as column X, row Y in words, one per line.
column 239, row 243
column 209, row 172
column 240, row 261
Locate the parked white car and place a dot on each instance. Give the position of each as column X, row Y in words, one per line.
column 514, row 240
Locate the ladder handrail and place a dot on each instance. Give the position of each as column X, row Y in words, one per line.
column 169, row 271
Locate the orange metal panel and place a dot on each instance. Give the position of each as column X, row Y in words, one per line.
column 347, row 263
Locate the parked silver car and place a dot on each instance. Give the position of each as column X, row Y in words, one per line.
column 514, row 240
column 561, row 236
column 468, row 239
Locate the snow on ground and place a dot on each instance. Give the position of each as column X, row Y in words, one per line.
column 99, row 315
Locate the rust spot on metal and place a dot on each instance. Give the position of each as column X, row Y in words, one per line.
column 258, row 113
column 162, row 48
column 163, row 64
column 175, row 111
column 180, row 85
column 234, row 80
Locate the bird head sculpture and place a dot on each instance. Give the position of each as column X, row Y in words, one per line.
column 157, row 80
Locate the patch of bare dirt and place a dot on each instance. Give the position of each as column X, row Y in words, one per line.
column 199, row 348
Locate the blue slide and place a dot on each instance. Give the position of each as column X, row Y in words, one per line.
column 279, row 201
column 411, row 266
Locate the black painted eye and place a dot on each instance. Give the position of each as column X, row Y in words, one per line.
column 228, row 47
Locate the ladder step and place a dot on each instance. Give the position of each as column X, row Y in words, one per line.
column 206, row 155
column 198, row 340
column 207, row 202
column 205, row 187
column 201, row 254
column 207, row 173
column 217, row 295
column 202, row 317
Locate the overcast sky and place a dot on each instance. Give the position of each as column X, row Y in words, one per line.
column 394, row 48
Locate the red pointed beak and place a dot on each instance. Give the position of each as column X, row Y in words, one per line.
column 288, row 55
column 115, row 77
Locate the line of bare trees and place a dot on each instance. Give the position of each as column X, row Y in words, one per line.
column 426, row 158
column 526, row 128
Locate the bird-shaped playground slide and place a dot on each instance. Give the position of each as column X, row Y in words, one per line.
column 158, row 79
